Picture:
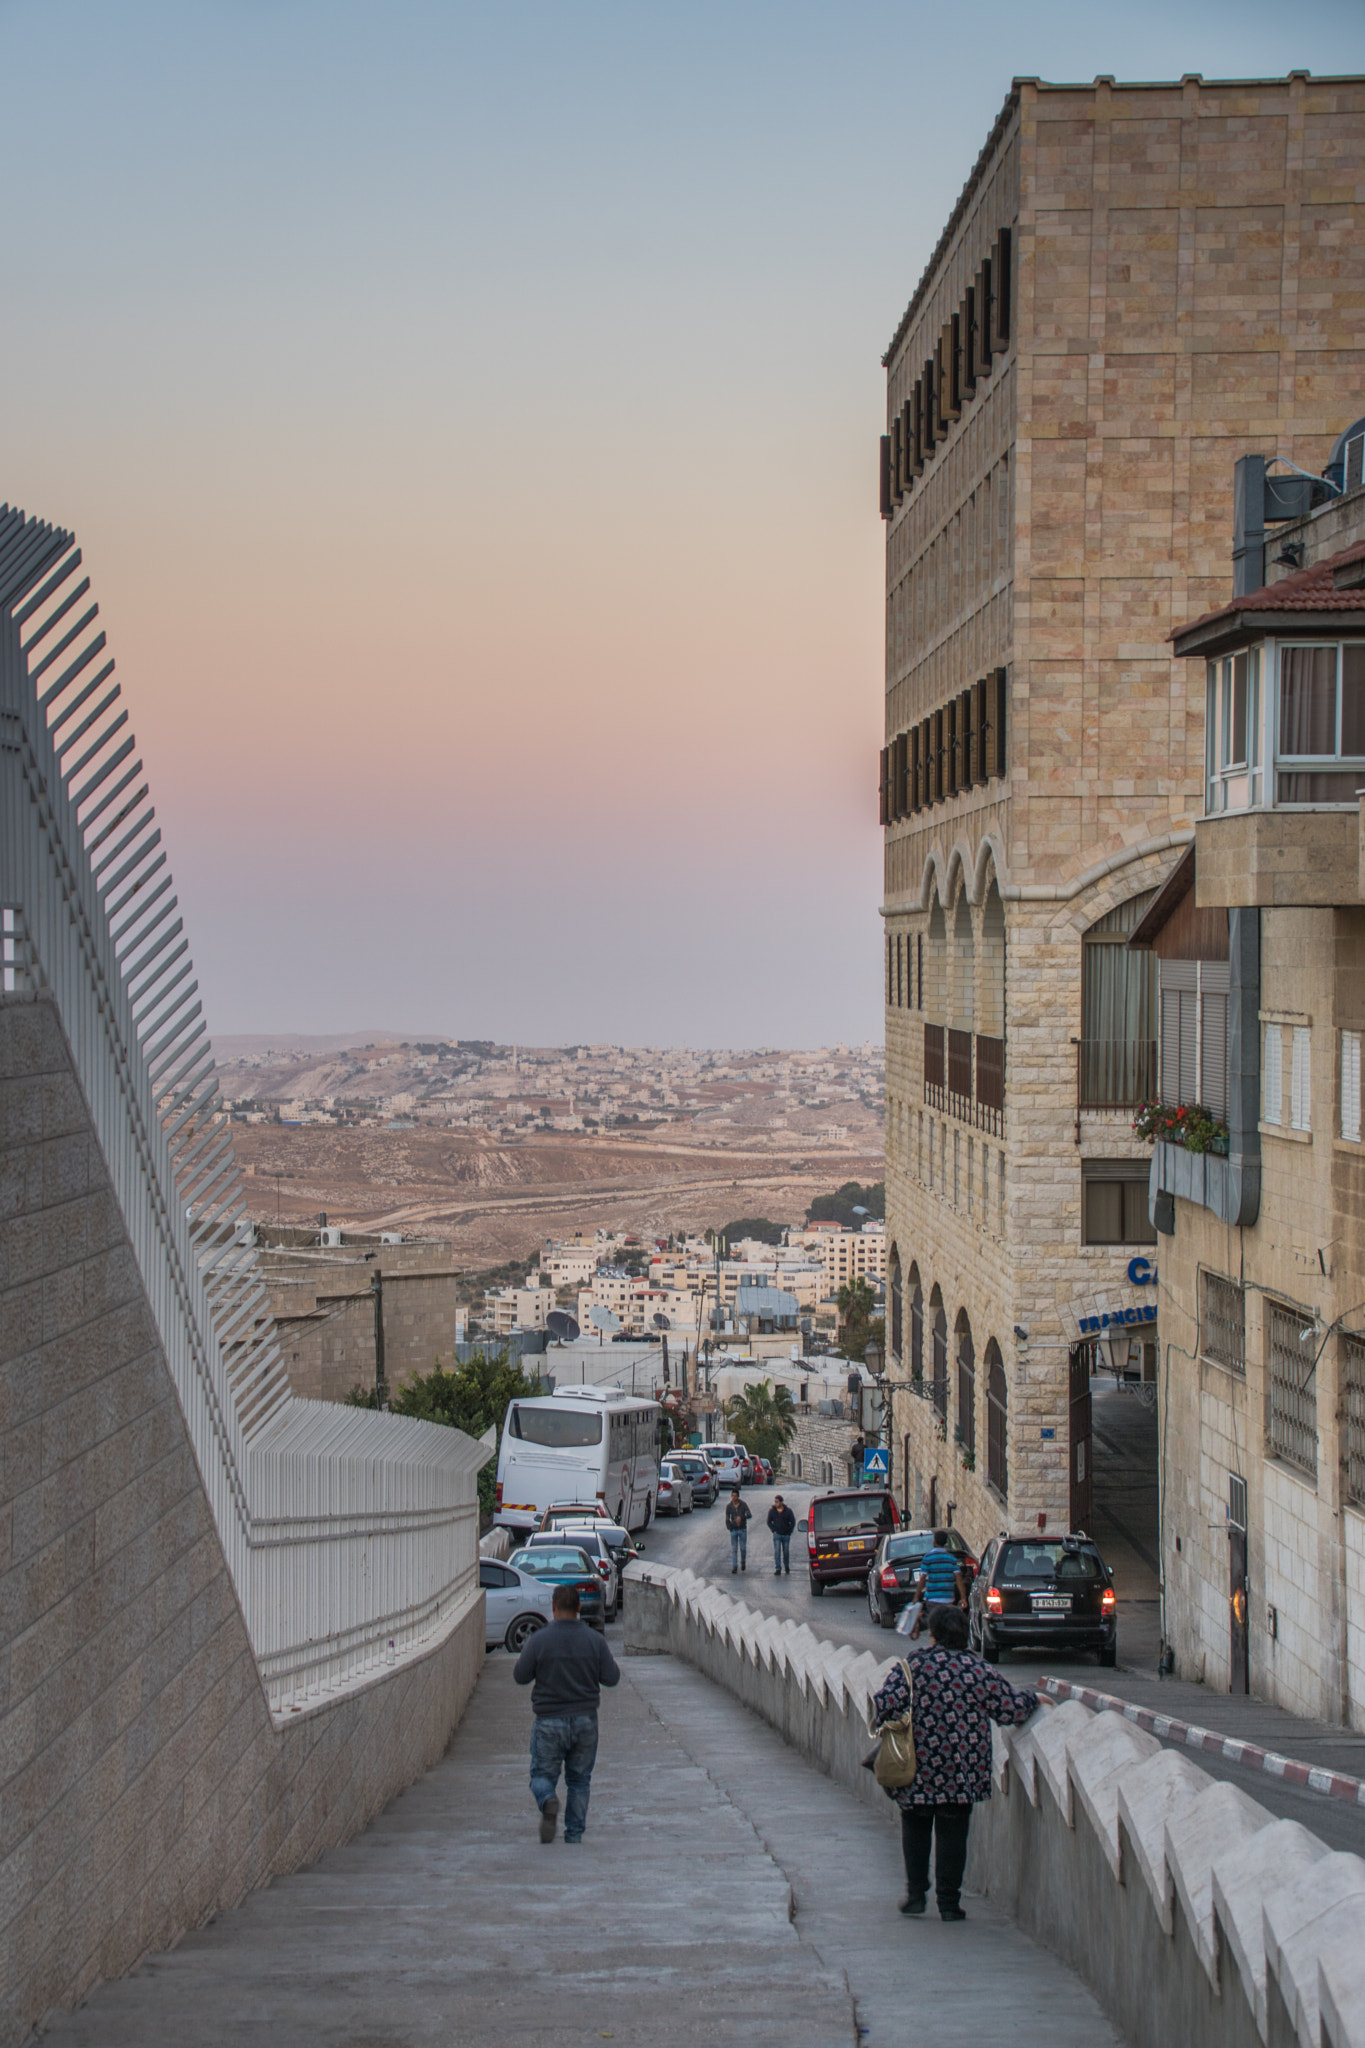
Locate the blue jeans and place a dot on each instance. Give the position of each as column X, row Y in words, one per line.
column 739, row 1547
column 571, row 1740
column 782, row 1552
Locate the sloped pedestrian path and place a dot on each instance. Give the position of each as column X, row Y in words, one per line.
column 726, row 1892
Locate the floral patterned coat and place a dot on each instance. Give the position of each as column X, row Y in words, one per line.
column 956, row 1697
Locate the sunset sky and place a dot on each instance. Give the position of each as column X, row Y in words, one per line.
column 469, row 415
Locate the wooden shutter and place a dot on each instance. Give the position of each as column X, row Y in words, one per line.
column 936, row 755
column 907, row 446
column 889, row 970
column 931, row 430
column 978, row 732
column 1301, row 1080
column 884, row 809
column 1350, row 1086
column 995, row 722
column 966, row 734
column 983, row 319
column 950, row 747
column 952, row 364
column 917, row 427
column 902, row 776
column 914, row 770
column 919, row 967
column 897, row 461
column 1001, row 307
column 926, row 762
column 1272, row 1071
column 967, row 325
column 907, row 781
column 886, row 475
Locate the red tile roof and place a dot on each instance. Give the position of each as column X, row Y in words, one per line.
column 1307, row 590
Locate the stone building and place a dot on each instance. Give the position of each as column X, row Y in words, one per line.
column 1138, row 285
column 1263, row 1250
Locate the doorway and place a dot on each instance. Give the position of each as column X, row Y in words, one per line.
column 1239, row 1666
column 1082, row 1478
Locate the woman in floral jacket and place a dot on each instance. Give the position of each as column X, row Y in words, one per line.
column 956, row 1697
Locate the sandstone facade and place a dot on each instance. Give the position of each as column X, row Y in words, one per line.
column 1185, row 281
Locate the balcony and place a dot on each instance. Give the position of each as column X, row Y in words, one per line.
column 964, row 1074
column 1115, row 1073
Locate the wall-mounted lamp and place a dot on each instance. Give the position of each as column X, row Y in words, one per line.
column 1290, row 555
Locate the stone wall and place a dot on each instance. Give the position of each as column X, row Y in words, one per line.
column 143, row 1783
column 821, row 1440
column 326, row 1323
column 1191, row 1913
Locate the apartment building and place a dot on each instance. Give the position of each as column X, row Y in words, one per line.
column 1260, row 943
column 1139, row 284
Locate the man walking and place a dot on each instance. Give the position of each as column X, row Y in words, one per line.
column 941, row 1581
column 781, row 1521
column 566, row 1664
column 738, row 1515
column 956, row 1696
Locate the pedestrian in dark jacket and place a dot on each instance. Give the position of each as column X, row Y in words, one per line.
column 566, row 1665
column 956, row 1697
column 781, row 1521
column 738, row 1516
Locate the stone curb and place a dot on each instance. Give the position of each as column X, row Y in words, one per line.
column 1332, row 1784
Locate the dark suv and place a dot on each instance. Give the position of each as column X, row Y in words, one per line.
column 1043, row 1593
column 842, row 1532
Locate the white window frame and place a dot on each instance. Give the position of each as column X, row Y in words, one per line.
column 1306, row 764
column 1233, row 784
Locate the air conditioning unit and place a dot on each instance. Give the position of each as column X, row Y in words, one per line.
column 331, row 1237
column 390, row 1237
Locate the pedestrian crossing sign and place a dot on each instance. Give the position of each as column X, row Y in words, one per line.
column 876, row 1464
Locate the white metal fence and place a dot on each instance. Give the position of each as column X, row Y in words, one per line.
column 351, row 1537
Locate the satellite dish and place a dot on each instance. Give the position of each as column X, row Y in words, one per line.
column 562, row 1325
column 662, row 1322
column 603, row 1319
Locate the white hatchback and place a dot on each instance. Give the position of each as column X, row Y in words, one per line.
column 731, row 1462
column 516, row 1604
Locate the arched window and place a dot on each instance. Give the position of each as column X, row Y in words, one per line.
column 940, row 1384
column 895, row 1270
column 916, row 1326
column 964, row 967
column 935, row 966
column 997, row 1419
column 966, row 1385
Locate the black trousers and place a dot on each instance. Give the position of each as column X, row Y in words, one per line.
column 947, row 1827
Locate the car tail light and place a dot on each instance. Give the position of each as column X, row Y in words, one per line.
column 810, row 1537
column 889, row 1576
column 605, row 1570
column 994, row 1604
column 1107, row 1602
column 497, row 1495
column 588, row 1586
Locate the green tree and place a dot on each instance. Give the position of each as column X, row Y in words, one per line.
column 840, row 1206
column 763, row 1419
column 472, row 1396
column 856, row 1301
column 761, row 1228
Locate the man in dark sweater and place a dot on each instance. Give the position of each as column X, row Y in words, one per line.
column 781, row 1521
column 565, row 1664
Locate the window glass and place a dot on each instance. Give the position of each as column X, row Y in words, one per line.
column 1235, row 730
column 866, row 1511
column 1353, row 698
column 556, row 1428
column 1308, row 700
column 1047, row 1561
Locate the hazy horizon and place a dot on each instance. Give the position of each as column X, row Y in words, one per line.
column 470, row 417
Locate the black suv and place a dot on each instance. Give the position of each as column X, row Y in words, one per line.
column 1043, row 1593
column 843, row 1530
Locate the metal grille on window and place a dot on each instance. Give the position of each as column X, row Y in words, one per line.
column 997, row 1422
column 966, row 1388
column 1301, row 1079
column 1223, row 1322
column 1353, row 1420
column 1291, row 1400
column 1350, row 1086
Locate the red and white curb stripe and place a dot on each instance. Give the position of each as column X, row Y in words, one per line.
column 1334, row 1784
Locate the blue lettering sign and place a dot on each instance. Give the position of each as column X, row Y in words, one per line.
column 1142, row 1272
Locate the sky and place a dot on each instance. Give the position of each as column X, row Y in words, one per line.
column 469, row 415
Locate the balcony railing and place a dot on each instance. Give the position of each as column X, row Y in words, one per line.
column 1115, row 1073
column 965, row 1075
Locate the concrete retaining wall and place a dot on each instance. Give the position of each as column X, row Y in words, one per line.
column 1194, row 1915
column 143, row 1783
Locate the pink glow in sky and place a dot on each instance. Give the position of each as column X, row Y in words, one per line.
column 469, row 414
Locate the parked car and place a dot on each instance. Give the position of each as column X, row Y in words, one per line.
column 1036, row 1592
column 843, row 1530
column 894, row 1569
column 572, row 1511
column 766, row 1474
column 592, row 1540
column 699, row 1474
column 731, row 1462
column 566, row 1565
column 624, row 1547
column 675, row 1491
column 516, row 1603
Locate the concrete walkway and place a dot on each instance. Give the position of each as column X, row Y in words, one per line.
column 726, row 1892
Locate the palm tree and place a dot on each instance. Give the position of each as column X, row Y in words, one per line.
column 763, row 1419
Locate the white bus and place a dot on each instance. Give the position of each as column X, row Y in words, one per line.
column 587, row 1443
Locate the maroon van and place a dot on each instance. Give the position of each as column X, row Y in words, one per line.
column 842, row 1532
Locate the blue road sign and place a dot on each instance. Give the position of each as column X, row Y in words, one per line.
column 876, row 1464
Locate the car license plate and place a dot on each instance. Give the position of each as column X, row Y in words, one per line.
column 858, row 1543
column 1049, row 1603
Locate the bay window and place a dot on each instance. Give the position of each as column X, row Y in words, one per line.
column 1233, row 732
column 1285, row 725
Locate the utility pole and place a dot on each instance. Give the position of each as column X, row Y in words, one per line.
column 381, row 1390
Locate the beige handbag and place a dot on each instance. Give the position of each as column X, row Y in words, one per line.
column 896, row 1763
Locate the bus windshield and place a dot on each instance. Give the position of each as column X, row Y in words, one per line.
column 557, row 1428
